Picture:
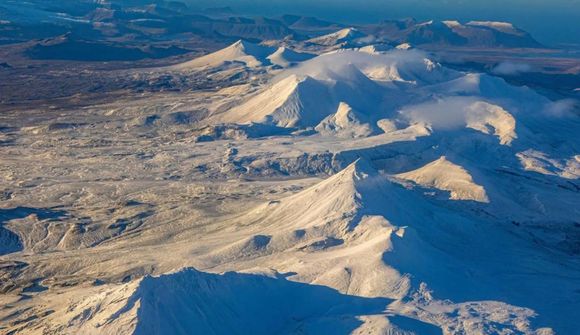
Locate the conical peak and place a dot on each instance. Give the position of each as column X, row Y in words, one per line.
column 356, row 172
column 348, row 32
column 244, row 45
column 346, row 115
column 239, row 44
column 251, row 48
column 342, row 197
column 343, row 109
column 442, row 159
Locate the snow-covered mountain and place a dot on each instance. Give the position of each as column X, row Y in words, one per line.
column 246, row 54
column 343, row 37
column 379, row 86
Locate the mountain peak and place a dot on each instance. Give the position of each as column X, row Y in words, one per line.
column 346, row 35
column 444, row 175
column 348, row 32
column 238, row 44
column 346, row 122
column 342, row 197
column 243, row 52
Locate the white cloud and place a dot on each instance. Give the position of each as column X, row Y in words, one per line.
column 511, row 68
column 562, row 108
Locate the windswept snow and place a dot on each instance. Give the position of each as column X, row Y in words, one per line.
column 444, row 175
column 482, row 116
column 504, row 27
column 457, row 112
column 246, row 54
column 347, row 35
column 288, row 103
column 242, row 52
column 345, row 122
column 533, row 160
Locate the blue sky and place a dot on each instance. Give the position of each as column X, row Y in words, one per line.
column 550, row 21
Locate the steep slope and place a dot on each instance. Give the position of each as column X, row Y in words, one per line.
column 347, row 36
column 335, row 226
column 432, row 33
column 482, row 116
column 444, row 175
column 492, row 34
column 242, row 52
column 343, row 198
column 294, row 101
column 345, row 123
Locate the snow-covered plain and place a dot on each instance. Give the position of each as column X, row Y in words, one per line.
column 355, row 192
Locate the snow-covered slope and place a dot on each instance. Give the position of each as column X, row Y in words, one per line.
column 341, row 199
column 345, row 36
column 345, row 123
column 444, row 175
column 290, row 102
column 246, row 53
column 305, row 95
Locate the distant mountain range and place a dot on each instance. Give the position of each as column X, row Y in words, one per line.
column 104, row 26
column 453, row 33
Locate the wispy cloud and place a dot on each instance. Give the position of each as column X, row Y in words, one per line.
column 562, row 108
column 511, row 68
